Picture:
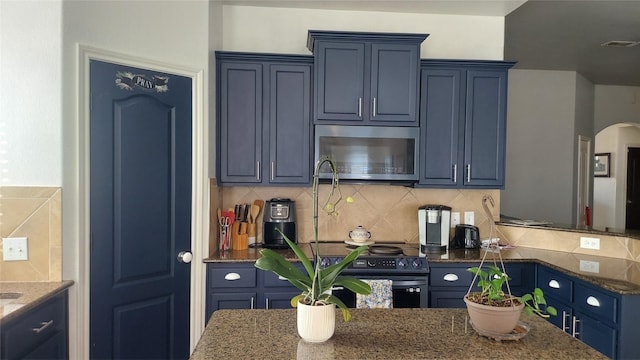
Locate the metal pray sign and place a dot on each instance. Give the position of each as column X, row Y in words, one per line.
column 128, row 81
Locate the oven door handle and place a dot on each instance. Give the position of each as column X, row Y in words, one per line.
column 408, row 283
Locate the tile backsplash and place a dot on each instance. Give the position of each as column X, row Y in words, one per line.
column 389, row 212
column 34, row 213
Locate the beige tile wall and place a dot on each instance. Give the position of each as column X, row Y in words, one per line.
column 567, row 241
column 389, row 212
column 35, row 213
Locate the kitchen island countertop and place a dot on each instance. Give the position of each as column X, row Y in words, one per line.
column 380, row 334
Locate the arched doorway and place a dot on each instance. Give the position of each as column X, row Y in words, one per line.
column 610, row 187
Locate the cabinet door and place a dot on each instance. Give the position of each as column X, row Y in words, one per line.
column 447, row 299
column 485, row 125
column 596, row 334
column 289, row 124
column 54, row 348
column 241, row 112
column 440, row 116
column 394, row 83
column 219, row 301
column 340, row 78
column 564, row 319
column 279, row 300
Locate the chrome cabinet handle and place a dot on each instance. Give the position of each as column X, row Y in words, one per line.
column 45, row 324
column 252, row 303
column 593, row 301
column 232, row 276
column 374, row 107
column 450, row 277
column 266, row 303
column 564, row 321
column 575, row 327
column 455, row 173
column 258, row 170
column 272, row 169
column 468, row 173
column 554, row 284
column 359, row 107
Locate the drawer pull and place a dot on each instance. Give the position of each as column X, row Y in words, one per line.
column 593, row 301
column 554, row 284
column 232, row 276
column 44, row 326
column 450, row 277
column 280, row 277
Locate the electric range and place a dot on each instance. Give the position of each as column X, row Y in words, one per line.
column 382, row 258
column 401, row 263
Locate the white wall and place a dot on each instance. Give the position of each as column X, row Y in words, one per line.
column 604, row 188
column 284, row 30
column 30, row 93
column 616, row 104
column 540, row 145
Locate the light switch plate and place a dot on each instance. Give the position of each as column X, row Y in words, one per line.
column 14, row 249
column 455, row 219
column 469, row 218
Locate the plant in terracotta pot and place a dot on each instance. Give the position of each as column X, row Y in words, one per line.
column 494, row 311
column 316, row 305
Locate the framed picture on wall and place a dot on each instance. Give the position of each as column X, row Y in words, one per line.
column 601, row 165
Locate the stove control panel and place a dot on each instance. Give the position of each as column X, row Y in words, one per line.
column 375, row 263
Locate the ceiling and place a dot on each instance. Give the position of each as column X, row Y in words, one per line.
column 539, row 34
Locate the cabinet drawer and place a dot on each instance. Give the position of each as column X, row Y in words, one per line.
column 555, row 285
column 450, row 276
column 232, row 277
column 273, row 280
column 598, row 304
column 34, row 328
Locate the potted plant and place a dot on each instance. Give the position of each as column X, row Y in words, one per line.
column 316, row 305
column 494, row 311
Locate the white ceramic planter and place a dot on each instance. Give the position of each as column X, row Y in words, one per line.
column 491, row 319
column 316, row 323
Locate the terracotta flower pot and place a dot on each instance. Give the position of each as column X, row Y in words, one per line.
column 493, row 319
column 316, row 323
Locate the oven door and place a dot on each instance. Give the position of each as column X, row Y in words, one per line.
column 408, row 291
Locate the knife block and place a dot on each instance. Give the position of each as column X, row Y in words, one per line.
column 252, row 233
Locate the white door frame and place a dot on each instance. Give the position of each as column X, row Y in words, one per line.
column 583, row 187
column 200, row 190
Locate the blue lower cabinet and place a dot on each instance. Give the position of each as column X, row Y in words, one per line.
column 40, row 333
column 602, row 319
column 243, row 286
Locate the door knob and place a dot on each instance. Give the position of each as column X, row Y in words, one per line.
column 185, row 257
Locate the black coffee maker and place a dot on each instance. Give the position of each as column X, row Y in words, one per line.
column 279, row 214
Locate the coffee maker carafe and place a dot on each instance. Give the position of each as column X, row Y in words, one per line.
column 279, row 214
column 434, row 222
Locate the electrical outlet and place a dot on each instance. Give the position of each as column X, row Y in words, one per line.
column 469, row 218
column 590, row 243
column 455, row 219
column 15, row 249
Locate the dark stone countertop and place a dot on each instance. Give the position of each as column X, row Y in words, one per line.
column 32, row 294
column 380, row 334
column 630, row 233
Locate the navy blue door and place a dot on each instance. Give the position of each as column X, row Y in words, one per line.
column 140, row 204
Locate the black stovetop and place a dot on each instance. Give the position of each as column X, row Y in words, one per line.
column 336, row 249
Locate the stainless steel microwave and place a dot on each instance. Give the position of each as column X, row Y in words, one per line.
column 369, row 152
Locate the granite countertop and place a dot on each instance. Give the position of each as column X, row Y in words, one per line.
column 631, row 233
column 380, row 334
column 253, row 253
column 32, row 294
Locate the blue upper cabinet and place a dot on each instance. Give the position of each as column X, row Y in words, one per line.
column 463, row 108
column 264, row 119
column 366, row 78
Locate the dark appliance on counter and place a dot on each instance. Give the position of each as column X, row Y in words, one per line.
column 434, row 222
column 466, row 237
column 401, row 263
column 279, row 214
column 369, row 153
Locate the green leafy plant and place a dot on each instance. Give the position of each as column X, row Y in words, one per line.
column 492, row 293
column 316, row 283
